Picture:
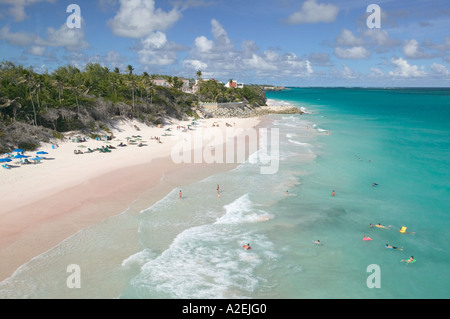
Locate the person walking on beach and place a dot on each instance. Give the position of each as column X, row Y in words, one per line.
column 217, row 188
column 180, row 194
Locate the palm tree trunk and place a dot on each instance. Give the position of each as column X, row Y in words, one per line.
column 39, row 105
column 34, row 109
column 78, row 106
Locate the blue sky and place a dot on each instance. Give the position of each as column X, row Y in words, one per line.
column 281, row 42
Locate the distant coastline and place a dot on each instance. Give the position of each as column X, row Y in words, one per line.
column 273, row 88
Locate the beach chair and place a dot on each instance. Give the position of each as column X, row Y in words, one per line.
column 6, row 166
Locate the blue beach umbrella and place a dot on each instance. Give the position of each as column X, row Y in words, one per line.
column 4, row 160
column 41, row 152
column 20, row 156
column 18, row 150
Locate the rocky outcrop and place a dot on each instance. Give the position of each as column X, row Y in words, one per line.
column 246, row 111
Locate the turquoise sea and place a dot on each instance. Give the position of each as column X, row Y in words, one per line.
column 348, row 139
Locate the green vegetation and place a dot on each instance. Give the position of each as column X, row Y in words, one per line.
column 213, row 91
column 39, row 107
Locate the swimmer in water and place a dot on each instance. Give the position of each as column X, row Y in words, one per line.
column 392, row 247
column 374, row 184
column 366, row 238
column 333, row 193
column 247, row 247
column 410, row 260
column 317, row 242
column 380, row 226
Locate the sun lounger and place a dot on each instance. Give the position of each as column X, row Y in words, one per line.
column 6, row 166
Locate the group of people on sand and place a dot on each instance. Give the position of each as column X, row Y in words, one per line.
column 157, row 138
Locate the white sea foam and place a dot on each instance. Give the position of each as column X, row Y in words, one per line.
column 242, row 211
column 208, row 261
column 139, row 258
column 299, row 143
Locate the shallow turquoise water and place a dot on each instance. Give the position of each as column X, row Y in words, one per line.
column 348, row 139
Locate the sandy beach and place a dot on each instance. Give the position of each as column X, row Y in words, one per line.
column 44, row 203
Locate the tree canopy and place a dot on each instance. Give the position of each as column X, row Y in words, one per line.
column 71, row 99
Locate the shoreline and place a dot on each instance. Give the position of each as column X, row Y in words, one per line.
column 71, row 193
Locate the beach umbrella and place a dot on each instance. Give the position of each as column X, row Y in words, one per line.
column 20, row 156
column 18, row 150
column 41, row 152
column 3, row 160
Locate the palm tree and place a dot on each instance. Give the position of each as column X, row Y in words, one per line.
column 59, row 83
column 132, row 83
column 130, row 69
column 31, row 84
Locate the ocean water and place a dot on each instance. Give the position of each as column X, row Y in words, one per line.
column 348, row 139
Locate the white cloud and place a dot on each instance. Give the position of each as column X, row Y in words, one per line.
column 443, row 47
column 271, row 56
column 70, row 39
column 220, row 34
column 17, row 9
column 140, row 18
column 220, row 58
column 404, row 69
column 114, row 59
column 439, row 69
column 380, row 37
column 16, row 38
column 194, row 65
column 203, row 44
column 36, row 50
column 312, row 12
column 345, row 72
column 348, row 73
column 352, row 53
column 412, row 50
column 376, row 72
column 155, row 49
column 347, row 38
column 257, row 62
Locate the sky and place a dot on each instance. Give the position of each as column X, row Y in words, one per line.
column 280, row 42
